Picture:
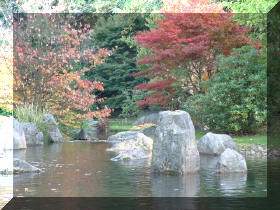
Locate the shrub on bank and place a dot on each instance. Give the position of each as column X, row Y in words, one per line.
column 236, row 97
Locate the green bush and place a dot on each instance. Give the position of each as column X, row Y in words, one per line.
column 236, row 96
column 31, row 113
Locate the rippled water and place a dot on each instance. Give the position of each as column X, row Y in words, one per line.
column 84, row 169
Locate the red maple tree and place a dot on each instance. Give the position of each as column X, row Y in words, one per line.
column 183, row 50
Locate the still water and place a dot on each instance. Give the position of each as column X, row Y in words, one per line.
column 84, row 169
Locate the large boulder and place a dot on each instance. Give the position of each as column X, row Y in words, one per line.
column 149, row 118
column 150, row 131
column 19, row 140
column 91, row 128
column 174, row 147
column 11, row 135
column 125, row 135
column 231, row 161
column 52, row 129
column 215, row 144
column 137, row 148
column 32, row 135
column 21, row 166
column 131, row 154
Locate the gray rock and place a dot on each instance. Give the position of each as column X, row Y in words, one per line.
column 91, row 128
column 215, row 144
column 83, row 135
column 21, row 166
column 11, row 135
column 52, row 130
column 174, row 147
column 32, row 134
column 131, row 154
column 231, row 161
column 19, row 140
column 131, row 149
column 149, row 131
column 150, row 118
column 139, row 140
column 125, row 135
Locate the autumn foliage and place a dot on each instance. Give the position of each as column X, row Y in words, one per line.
column 183, row 49
column 48, row 52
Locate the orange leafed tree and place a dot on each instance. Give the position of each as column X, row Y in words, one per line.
column 49, row 53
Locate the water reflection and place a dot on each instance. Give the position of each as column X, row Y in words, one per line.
column 175, row 186
column 84, row 169
column 232, row 183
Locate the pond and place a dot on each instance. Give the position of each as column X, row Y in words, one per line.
column 84, row 169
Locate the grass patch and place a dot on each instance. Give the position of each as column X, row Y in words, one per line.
column 119, row 124
column 249, row 139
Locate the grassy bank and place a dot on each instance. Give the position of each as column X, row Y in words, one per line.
column 118, row 125
column 249, row 139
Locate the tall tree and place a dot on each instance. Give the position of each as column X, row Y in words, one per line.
column 47, row 51
column 115, row 72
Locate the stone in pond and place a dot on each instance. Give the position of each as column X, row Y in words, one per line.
column 21, row 166
column 11, row 134
column 215, row 144
column 231, row 161
column 32, row 134
column 138, row 148
column 174, row 146
column 131, row 154
column 125, row 135
column 52, row 129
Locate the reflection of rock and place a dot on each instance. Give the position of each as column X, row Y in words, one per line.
column 21, row 166
column 138, row 147
column 232, row 183
column 215, row 144
column 52, row 129
column 32, row 135
column 187, row 185
column 231, row 161
column 174, row 149
column 125, row 135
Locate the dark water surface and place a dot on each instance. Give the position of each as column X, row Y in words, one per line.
column 84, row 169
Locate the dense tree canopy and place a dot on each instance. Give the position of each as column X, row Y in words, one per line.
column 115, row 72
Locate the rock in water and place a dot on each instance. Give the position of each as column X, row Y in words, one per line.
column 231, row 161
column 12, row 134
column 215, row 144
column 32, row 134
column 140, row 146
column 52, row 129
column 125, row 135
column 21, row 166
column 174, row 147
column 83, row 135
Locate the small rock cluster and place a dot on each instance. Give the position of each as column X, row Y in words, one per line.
column 20, row 135
column 229, row 161
column 253, row 150
column 273, row 153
